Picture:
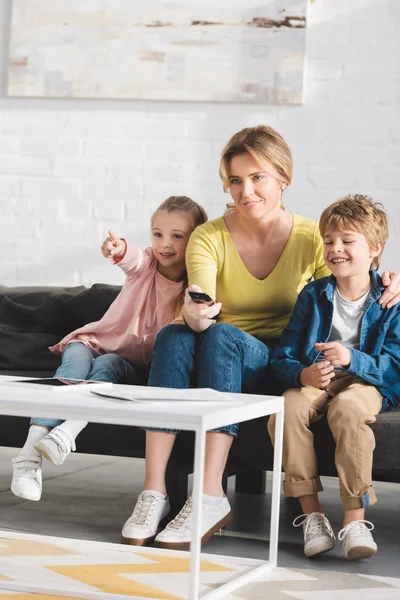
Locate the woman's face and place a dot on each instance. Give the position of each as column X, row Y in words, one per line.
column 255, row 189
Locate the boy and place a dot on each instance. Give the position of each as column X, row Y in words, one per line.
column 340, row 357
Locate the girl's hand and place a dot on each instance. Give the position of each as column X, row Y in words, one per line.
column 205, row 310
column 113, row 247
column 336, row 353
column 318, row 375
column 391, row 296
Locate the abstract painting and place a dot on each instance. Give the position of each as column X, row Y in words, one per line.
column 191, row 50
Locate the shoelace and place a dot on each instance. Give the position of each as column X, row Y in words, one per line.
column 29, row 464
column 62, row 439
column 315, row 523
column 144, row 509
column 356, row 528
column 183, row 517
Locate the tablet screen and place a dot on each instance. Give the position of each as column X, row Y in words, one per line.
column 57, row 381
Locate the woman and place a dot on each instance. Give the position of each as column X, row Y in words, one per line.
column 253, row 261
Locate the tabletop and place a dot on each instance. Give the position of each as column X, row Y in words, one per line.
column 154, row 407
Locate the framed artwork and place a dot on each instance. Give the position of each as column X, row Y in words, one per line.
column 191, row 50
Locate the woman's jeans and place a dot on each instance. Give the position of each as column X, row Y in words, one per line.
column 78, row 361
column 222, row 357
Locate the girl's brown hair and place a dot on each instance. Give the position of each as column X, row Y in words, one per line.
column 358, row 213
column 197, row 216
column 265, row 145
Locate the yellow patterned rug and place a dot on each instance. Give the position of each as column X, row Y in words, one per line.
column 36, row 567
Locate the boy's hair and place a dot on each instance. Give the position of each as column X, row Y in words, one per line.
column 358, row 213
column 197, row 216
column 265, row 145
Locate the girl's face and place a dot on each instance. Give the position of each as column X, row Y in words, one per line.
column 255, row 189
column 170, row 235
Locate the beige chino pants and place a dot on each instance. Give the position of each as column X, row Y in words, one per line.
column 350, row 407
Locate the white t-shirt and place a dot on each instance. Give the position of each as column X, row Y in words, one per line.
column 346, row 321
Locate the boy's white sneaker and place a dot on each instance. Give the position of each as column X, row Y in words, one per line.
column 27, row 477
column 142, row 525
column 357, row 540
column 178, row 533
column 55, row 446
column 318, row 533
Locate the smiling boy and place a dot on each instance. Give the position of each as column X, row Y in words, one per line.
column 340, row 357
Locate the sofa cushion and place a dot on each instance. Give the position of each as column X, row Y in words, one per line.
column 90, row 304
column 34, row 318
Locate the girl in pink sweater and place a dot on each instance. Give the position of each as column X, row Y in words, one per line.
column 119, row 347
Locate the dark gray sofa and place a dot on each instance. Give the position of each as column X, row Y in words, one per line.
column 31, row 319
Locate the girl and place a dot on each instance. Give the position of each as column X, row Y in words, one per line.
column 119, row 346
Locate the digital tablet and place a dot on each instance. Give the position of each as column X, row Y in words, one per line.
column 58, row 384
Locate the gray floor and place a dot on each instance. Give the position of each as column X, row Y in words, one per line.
column 90, row 497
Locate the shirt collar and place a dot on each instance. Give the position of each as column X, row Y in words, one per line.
column 375, row 292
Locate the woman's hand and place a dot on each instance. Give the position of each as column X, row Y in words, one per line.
column 391, row 296
column 113, row 247
column 199, row 311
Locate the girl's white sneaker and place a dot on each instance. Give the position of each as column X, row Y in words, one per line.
column 55, row 446
column 27, row 477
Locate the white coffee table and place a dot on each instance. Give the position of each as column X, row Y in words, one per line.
column 196, row 416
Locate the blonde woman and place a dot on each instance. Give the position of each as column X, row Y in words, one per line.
column 252, row 262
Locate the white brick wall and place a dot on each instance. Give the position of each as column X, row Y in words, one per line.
column 70, row 170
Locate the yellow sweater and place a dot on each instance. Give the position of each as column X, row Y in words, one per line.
column 259, row 307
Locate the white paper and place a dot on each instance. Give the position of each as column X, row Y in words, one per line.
column 136, row 393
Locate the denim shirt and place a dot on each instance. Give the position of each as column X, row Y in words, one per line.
column 376, row 363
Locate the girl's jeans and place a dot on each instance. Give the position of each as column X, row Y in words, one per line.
column 222, row 357
column 78, row 361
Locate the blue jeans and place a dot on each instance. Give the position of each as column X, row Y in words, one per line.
column 78, row 361
column 222, row 357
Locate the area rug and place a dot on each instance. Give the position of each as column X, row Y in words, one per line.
column 36, row 567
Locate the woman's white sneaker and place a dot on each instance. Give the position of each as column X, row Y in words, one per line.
column 27, row 477
column 357, row 540
column 141, row 527
column 55, row 446
column 178, row 533
column 318, row 533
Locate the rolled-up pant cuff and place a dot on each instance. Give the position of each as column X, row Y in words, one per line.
column 228, row 429
column 368, row 498
column 295, row 489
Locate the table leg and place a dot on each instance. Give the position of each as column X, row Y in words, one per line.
column 197, row 494
column 276, row 490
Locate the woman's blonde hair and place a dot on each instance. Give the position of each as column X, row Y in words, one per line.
column 265, row 145
column 197, row 216
column 358, row 213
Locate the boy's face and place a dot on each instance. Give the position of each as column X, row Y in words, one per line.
column 347, row 253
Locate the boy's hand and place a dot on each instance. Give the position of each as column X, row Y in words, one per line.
column 335, row 353
column 113, row 247
column 206, row 310
column 318, row 375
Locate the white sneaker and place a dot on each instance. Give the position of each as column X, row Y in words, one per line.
column 27, row 477
column 357, row 539
column 142, row 525
column 178, row 533
column 55, row 446
column 318, row 533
